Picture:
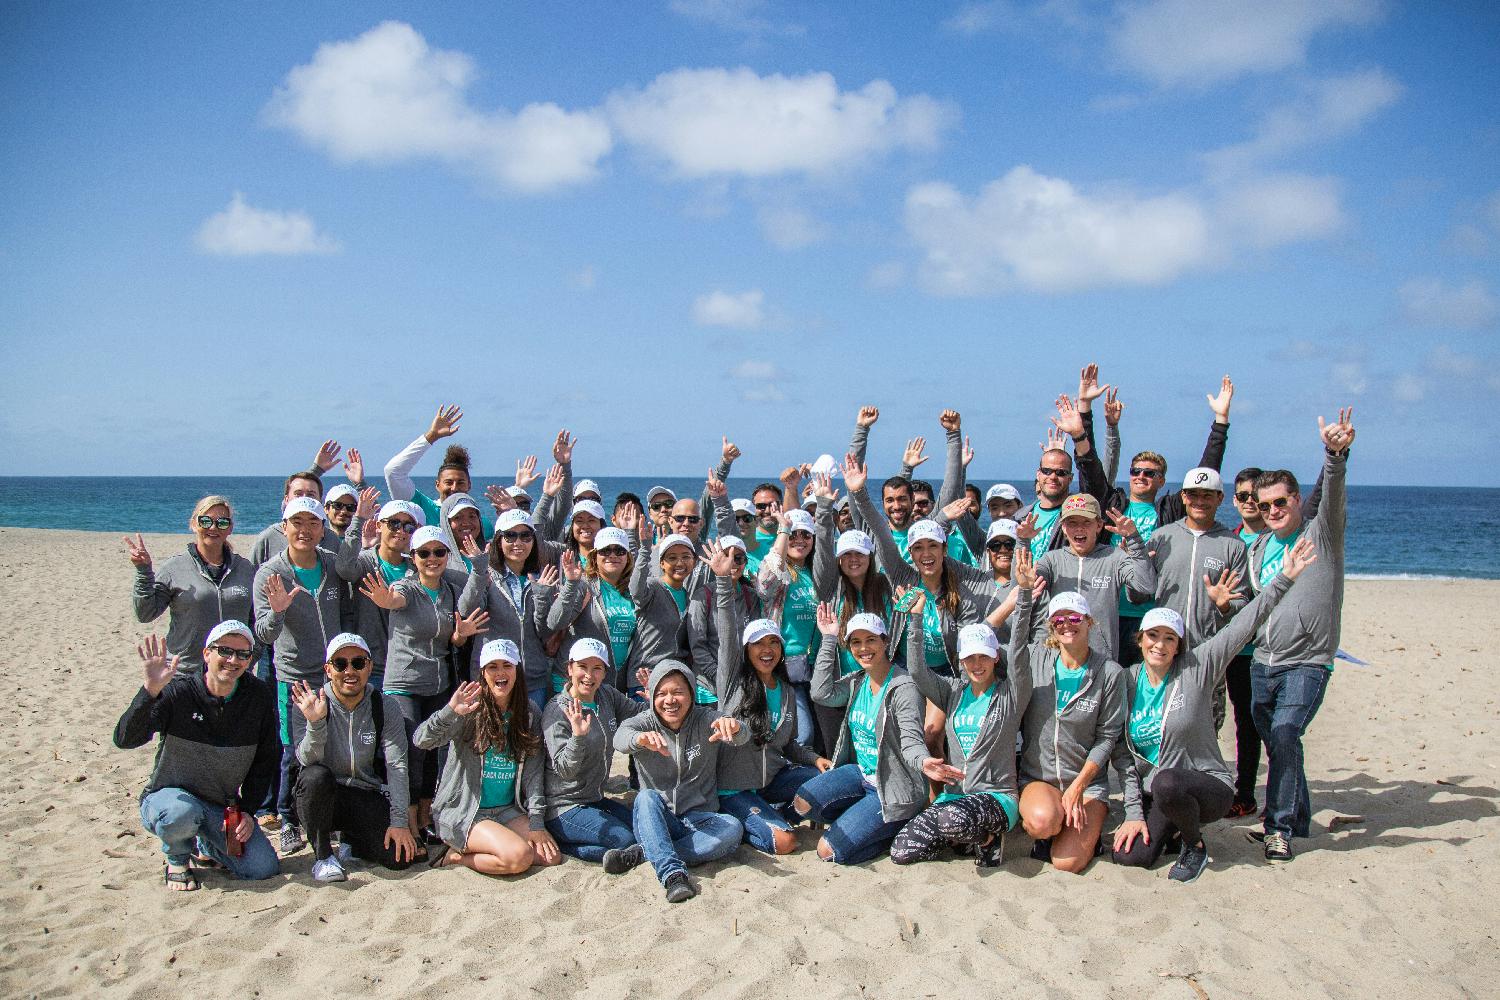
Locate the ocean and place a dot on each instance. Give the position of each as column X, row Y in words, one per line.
column 1458, row 525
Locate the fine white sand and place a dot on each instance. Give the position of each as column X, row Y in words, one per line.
column 1400, row 902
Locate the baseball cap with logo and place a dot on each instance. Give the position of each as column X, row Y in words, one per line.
column 1158, row 617
column 1080, row 505
column 865, row 622
column 1203, row 478
column 977, row 638
column 1002, row 491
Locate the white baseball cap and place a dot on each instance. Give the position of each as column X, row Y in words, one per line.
column 666, row 543
column 341, row 490
column 516, row 491
column 1203, row 478
column 1158, row 617
column 588, row 507
column 1068, row 600
column 585, row 486
column 841, row 502
column 343, row 639
column 659, row 491
column 588, row 649
column 809, row 502
column 428, row 533
column 927, row 529
column 230, row 626
column 393, row 507
column 865, row 622
column 303, row 505
column 854, row 541
column 801, row 520
column 605, row 537
column 1002, row 527
column 1002, row 491
column 742, row 507
column 514, row 519
column 733, row 542
column 758, row 630
column 825, row 465
column 977, row 638
column 457, row 502
column 499, row 649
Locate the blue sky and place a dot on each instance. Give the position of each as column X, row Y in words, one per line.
column 231, row 231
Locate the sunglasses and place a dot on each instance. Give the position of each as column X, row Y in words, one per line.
column 686, row 519
column 515, row 536
column 1280, row 503
column 222, row 523
column 765, row 506
column 1066, row 620
column 347, row 508
column 1060, row 473
column 744, row 518
column 403, row 527
column 436, row 553
column 1139, row 472
column 1244, row 496
column 667, row 505
column 230, row 653
column 738, row 557
column 611, row 552
column 340, row 664
column 800, row 535
column 1001, row 546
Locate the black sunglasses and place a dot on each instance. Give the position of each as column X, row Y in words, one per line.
column 686, row 519
column 515, row 536
column 612, row 551
column 1141, row 472
column 222, row 523
column 765, row 506
column 404, row 527
column 1280, row 503
column 347, row 508
column 437, row 553
column 340, row 664
column 744, row 518
column 230, row 653
column 1044, row 471
column 1244, row 496
column 1001, row 546
column 664, row 505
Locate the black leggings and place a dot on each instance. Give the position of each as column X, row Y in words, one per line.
column 972, row 819
column 360, row 815
column 829, row 721
column 1181, row 800
column 422, row 766
column 1247, row 742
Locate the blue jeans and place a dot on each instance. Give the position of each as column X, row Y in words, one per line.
column 762, row 812
column 586, row 832
column 844, row 800
column 184, row 821
column 805, row 716
column 674, row 843
column 1283, row 703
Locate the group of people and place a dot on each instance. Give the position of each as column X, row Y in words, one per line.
column 449, row 678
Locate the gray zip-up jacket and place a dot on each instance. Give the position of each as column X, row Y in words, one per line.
column 484, row 589
column 1188, row 738
column 1182, row 558
column 577, row 766
column 751, row 767
column 371, row 621
column 344, row 742
column 1099, row 576
column 1304, row 628
column 577, row 609
column 417, row 659
column 185, row 586
column 991, row 765
column 703, row 628
column 899, row 743
column 300, row 633
column 1057, row 743
column 688, row 776
column 461, row 785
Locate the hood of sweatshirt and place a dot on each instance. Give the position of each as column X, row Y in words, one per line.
column 660, row 673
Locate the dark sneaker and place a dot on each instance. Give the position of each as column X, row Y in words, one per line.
column 292, row 840
column 1278, row 847
column 988, row 855
column 618, row 861
column 1174, row 844
column 1041, row 850
column 1241, row 809
column 679, row 889
column 1190, row 863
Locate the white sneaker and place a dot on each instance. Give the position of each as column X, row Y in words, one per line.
column 329, row 870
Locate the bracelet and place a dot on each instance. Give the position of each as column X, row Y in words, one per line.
column 1080, row 438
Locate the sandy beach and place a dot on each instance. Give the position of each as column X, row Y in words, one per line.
column 1400, row 901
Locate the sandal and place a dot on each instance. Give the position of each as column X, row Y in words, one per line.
column 184, row 878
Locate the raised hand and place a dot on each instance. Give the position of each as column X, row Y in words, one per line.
column 653, row 741
column 643, row 677
column 1298, row 558
column 828, row 622
column 956, row 509
column 720, row 560
column 328, row 455
column 915, row 453
column 159, row 670
column 941, row 771
column 499, row 498
column 473, row 549
column 368, row 498
column 1338, row 436
column 730, row 451
column 723, row 729
column 1056, row 441
column 714, row 486
column 1112, row 406
column 855, row 473
column 553, row 482
column 918, row 605
column 1068, row 420
column 578, row 717
column 379, row 592
column 526, row 471
column 466, row 698
column 1023, row 568
column 1026, row 528
column 1222, row 591
column 313, row 704
column 950, row 420
column 562, row 448
column 135, row 548
column 1120, row 524
column 1089, row 388
column 548, row 576
column 790, row 477
column 867, row 416
column 628, row 519
column 278, row 597
column 354, row 466
column 1220, row 403
column 968, row 452
column 445, row 423
column 369, row 534
column 476, row 622
column 822, row 484
column 572, row 569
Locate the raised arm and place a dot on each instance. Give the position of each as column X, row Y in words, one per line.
column 901, row 573
column 727, row 624
column 863, row 421
column 938, row 690
column 825, row 563
column 953, row 460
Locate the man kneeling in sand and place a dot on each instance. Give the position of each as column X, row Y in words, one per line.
column 219, row 749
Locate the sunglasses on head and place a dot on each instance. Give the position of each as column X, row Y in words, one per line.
column 686, row 519
column 515, row 536
column 1001, row 546
column 404, row 527
column 1071, row 619
column 1244, row 496
column 1061, row 473
column 347, row 508
column 1140, row 472
column 222, row 523
column 1280, row 503
column 612, row 552
column 340, row 664
column 230, row 653
column 436, row 553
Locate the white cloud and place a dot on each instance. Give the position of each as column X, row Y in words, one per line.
column 715, row 122
column 885, row 275
column 736, row 310
column 241, row 230
column 1409, row 388
column 1323, row 110
column 1198, row 42
column 1027, row 230
column 387, row 97
column 742, row 16
column 975, row 18
column 1429, row 302
column 1272, row 210
column 1351, row 376
column 1444, row 360
column 791, row 228
column 759, row 381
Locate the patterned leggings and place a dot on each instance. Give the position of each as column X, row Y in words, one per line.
column 972, row 819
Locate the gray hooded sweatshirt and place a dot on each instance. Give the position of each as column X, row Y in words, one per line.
column 1057, row 742
column 344, row 742
column 1099, row 576
column 461, row 785
column 420, row 657
column 301, row 632
column 1182, row 558
column 485, row 590
column 186, row 586
column 577, row 766
column 371, row 621
column 688, row 775
column 1188, row 738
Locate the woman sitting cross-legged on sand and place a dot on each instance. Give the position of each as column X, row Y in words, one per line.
column 490, row 807
column 876, row 783
column 676, row 749
column 1169, row 762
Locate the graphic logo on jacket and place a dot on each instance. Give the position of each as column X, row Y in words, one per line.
column 694, row 752
column 1085, row 704
column 1213, row 564
column 367, row 737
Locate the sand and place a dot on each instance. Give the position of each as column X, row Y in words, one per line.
column 1400, row 902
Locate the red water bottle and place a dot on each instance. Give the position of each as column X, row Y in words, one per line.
column 232, row 843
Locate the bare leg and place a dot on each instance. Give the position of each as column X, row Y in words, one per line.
column 1073, row 849
column 1041, row 810
column 494, row 849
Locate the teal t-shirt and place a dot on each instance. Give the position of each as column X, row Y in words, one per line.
column 932, row 631
column 1068, row 681
column 968, row 719
column 959, row 549
column 756, row 549
column 1274, row 556
column 389, row 572
column 679, row 597
column 862, row 715
column 1247, row 536
column 619, row 613
column 899, row 535
column 1045, row 521
column 1145, row 517
column 434, row 511
column 799, row 616
column 1145, row 716
column 433, row 592
column 498, row 780
column 309, row 579
column 773, row 703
